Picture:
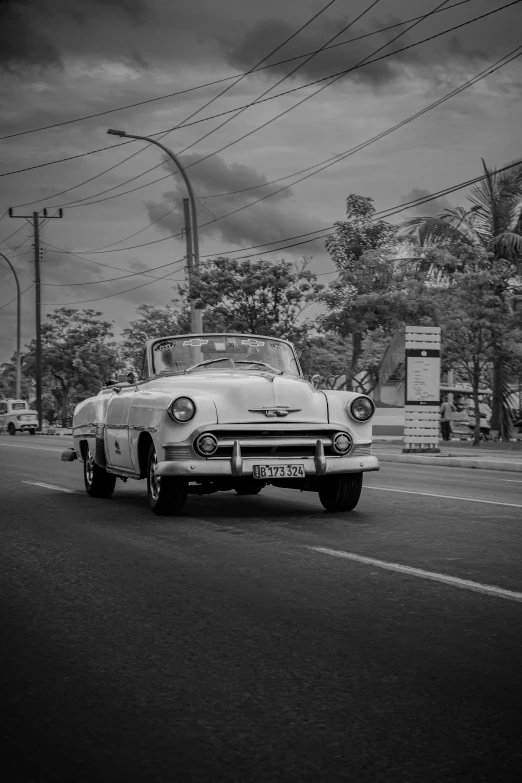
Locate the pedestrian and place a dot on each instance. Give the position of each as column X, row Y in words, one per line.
column 446, row 416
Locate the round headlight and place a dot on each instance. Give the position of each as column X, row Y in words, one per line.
column 342, row 443
column 206, row 444
column 361, row 408
column 182, row 409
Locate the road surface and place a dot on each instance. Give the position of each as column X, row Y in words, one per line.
column 259, row 639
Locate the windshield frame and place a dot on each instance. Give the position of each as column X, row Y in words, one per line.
column 162, row 373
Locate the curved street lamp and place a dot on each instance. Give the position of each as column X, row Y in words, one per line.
column 196, row 314
column 18, row 311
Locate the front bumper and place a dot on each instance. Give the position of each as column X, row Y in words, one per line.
column 239, row 466
column 26, row 425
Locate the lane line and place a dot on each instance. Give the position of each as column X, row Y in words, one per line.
column 35, row 448
column 465, row 584
column 512, row 481
column 480, row 457
column 445, row 497
column 49, row 486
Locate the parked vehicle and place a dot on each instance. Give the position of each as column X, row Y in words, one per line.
column 217, row 412
column 17, row 416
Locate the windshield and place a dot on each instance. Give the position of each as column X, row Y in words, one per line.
column 19, row 406
column 230, row 351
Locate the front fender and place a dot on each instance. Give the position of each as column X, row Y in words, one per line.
column 339, row 416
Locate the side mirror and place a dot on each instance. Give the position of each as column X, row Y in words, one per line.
column 316, row 380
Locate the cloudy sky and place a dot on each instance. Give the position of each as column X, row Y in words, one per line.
column 63, row 61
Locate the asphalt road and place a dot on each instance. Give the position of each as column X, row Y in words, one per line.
column 236, row 643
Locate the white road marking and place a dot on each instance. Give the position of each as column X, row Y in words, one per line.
column 512, row 481
column 465, row 584
column 445, row 497
column 35, row 448
column 49, row 486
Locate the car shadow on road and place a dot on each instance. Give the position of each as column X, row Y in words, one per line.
column 232, row 513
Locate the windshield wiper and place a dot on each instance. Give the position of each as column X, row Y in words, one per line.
column 209, row 361
column 262, row 364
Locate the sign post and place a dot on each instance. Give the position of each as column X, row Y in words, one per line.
column 422, row 389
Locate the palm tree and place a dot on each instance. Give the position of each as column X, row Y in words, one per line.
column 493, row 224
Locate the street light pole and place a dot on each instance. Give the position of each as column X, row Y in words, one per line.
column 197, row 325
column 18, row 317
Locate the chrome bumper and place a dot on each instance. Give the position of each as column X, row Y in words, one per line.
column 238, row 466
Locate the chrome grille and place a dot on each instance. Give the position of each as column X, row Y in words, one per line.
column 363, row 450
column 177, row 452
column 273, row 442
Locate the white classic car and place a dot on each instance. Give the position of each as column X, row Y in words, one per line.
column 221, row 412
column 17, row 416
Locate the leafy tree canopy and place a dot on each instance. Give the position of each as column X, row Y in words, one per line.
column 262, row 297
column 78, row 354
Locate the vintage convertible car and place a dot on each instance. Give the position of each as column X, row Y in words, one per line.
column 216, row 412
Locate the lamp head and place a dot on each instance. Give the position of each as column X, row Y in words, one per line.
column 113, row 132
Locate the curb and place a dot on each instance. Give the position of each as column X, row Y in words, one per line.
column 55, row 434
column 453, row 462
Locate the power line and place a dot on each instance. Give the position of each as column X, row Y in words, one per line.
column 208, row 103
column 287, row 92
column 112, row 279
column 212, row 83
column 15, row 298
column 341, row 156
column 286, row 76
column 142, row 273
column 330, row 230
column 108, row 296
column 334, row 77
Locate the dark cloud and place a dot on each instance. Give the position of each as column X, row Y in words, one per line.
column 265, row 35
column 479, row 41
column 268, row 221
column 33, row 32
column 430, row 208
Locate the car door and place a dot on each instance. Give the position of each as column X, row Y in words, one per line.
column 117, row 427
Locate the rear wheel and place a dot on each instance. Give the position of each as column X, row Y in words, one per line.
column 167, row 495
column 32, row 432
column 98, row 483
column 252, row 487
column 340, row 492
column 11, row 429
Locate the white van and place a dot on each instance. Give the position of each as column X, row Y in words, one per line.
column 17, row 416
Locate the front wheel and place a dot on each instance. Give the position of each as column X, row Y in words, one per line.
column 98, row 483
column 340, row 492
column 11, row 429
column 32, row 432
column 166, row 495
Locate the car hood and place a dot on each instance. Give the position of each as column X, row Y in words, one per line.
column 237, row 395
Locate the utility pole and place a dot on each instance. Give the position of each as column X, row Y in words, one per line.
column 195, row 315
column 34, row 220
column 198, row 316
column 18, row 324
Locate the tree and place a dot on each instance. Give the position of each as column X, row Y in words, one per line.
column 492, row 224
column 471, row 327
column 261, row 297
column 78, row 355
column 325, row 354
column 374, row 294
column 153, row 322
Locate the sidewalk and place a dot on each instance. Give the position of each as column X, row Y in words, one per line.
column 456, row 454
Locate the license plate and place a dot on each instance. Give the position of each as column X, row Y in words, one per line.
column 278, row 471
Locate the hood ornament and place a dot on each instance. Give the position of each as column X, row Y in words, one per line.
column 275, row 411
